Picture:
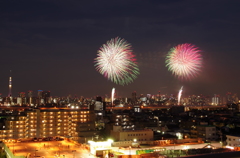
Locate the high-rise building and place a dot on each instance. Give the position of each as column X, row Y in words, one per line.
column 30, row 94
column 99, row 98
column 46, row 96
column 40, row 93
column 22, row 94
column 134, row 97
column 215, row 100
column 21, row 99
column 30, row 97
column 40, row 100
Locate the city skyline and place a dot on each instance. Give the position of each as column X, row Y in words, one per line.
column 51, row 45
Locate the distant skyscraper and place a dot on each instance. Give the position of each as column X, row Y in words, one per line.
column 22, row 94
column 29, row 98
column 30, row 94
column 148, row 96
column 134, row 97
column 10, row 85
column 39, row 97
column 215, row 100
column 46, row 96
column 99, row 98
column 40, row 94
column 21, row 99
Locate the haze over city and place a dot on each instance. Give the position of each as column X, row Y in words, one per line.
column 51, row 45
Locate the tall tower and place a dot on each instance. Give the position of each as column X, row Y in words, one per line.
column 10, row 85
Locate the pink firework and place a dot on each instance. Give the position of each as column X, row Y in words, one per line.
column 184, row 61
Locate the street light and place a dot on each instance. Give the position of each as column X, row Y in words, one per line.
column 129, row 151
column 110, row 140
column 13, row 146
column 35, row 152
column 73, row 151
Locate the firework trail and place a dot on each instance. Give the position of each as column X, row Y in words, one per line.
column 184, row 60
column 117, row 62
column 113, row 93
column 180, row 95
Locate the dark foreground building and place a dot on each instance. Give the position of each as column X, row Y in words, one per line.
column 233, row 154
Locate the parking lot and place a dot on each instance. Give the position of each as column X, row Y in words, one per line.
column 49, row 149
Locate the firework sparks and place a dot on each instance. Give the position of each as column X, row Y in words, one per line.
column 117, row 62
column 184, row 60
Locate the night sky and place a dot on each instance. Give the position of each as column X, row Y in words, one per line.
column 51, row 44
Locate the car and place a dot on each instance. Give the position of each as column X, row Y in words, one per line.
column 59, row 139
column 50, row 138
column 45, row 139
column 19, row 140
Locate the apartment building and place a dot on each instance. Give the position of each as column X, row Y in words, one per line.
column 48, row 122
column 206, row 132
column 12, row 127
column 233, row 140
column 123, row 120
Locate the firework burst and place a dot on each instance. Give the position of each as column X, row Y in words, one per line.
column 184, row 60
column 117, row 62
